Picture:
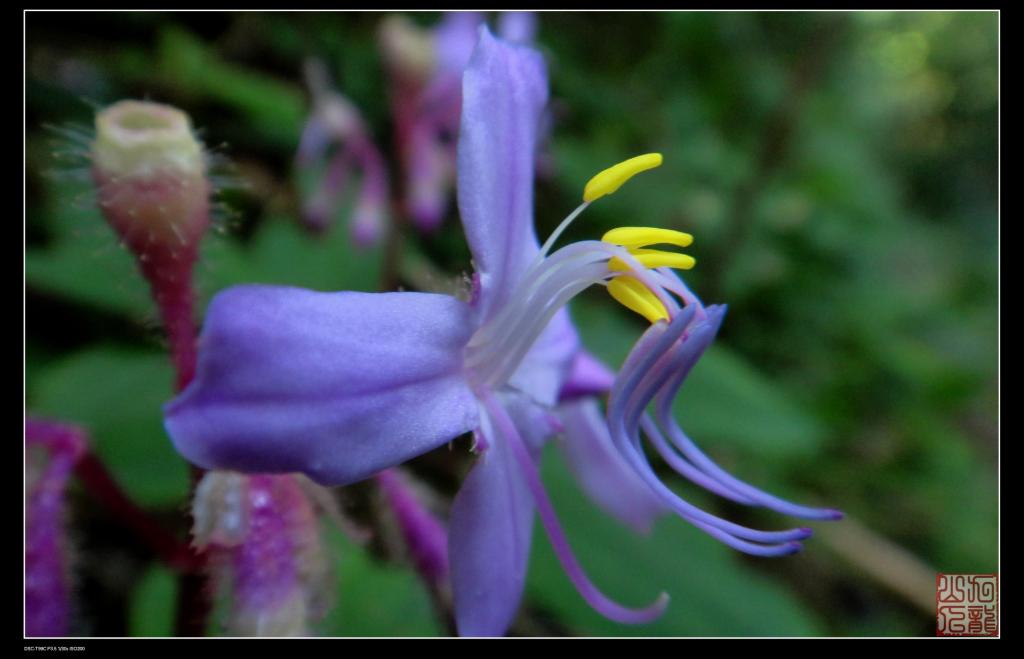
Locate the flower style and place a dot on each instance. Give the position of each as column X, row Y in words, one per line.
column 335, row 121
column 343, row 385
column 425, row 68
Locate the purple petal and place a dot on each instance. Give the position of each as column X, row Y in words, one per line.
column 535, row 423
column 454, row 39
column 489, row 543
column 504, row 91
column 602, row 472
column 588, row 376
column 335, row 385
column 518, row 26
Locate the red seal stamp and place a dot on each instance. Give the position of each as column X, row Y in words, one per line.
column 967, row 604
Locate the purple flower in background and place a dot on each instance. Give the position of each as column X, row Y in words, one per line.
column 51, row 450
column 263, row 537
column 343, row 385
column 336, row 123
column 425, row 68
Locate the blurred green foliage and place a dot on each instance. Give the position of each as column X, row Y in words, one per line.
column 839, row 172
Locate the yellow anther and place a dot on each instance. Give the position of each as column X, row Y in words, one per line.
column 609, row 180
column 636, row 297
column 634, row 237
column 653, row 258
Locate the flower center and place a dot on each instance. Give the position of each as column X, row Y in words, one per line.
column 636, row 276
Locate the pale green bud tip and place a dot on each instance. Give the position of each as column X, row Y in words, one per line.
column 139, row 138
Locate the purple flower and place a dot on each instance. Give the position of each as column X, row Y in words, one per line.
column 343, row 385
column 336, row 122
column 425, row 68
column 51, row 450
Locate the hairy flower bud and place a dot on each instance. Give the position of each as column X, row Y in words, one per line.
column 150, row 175
column 51, row 450
column 262, row 533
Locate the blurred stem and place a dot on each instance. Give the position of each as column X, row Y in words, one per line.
column 100, row 484
column 174, row 294
column 443, row 609
column 390, row 271
column 195, row 596
column 884, row 561
column 776, row 140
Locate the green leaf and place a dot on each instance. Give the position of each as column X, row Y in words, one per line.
column 152, row 607
column 274, row 109
column 375, row 599
column 117, row 396
column 283, row 253
column 83, row 261
column 725, row 401
column 713, row 593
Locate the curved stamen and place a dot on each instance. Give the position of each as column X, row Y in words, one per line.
column 586, row 588
column 670, row 281
column 683, row 466
column 622, row 415
column 788, row 539
column 663, row 407
column 692, row 513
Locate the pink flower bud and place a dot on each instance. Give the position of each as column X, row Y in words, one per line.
column 263, row 535
column 51, row 450
column 150, row 175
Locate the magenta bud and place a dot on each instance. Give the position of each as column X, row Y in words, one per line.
column 263, row 534
column 367, row 225
column 429, row 181
column 51, row 451
column 425, row 536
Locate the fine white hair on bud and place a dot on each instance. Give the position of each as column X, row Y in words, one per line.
column 150, row 173
column 139, row 139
